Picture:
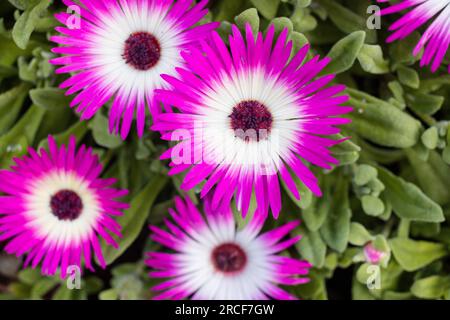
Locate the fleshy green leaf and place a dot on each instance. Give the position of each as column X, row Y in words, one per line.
column 413, row 255
column 358, row 234
column 408, row 201
column 433, row 287
column 248, row 16
column 15, row 142
column 430, row 138
column 364, row 174
column 312, row 247
column 268, row 8
column 347, row 20
column 424, row 103
column 371, row 59
column 100, row 131
column 336, row 228
column 408, row 76
column 133, row 219
column 433, row 175
column 373, row 206
column 27, row 22
column 381, row 122
column 49, row 98
column 10, row 106
column 343, row 54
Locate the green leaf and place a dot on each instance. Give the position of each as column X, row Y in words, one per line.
column 27, row 22
column 402, row 51
column 430, row 138
column 315, row 214
column 268, row 8
column 248, row 16
column 413, row 255
column 19, row 290
column 371, row 59
column 424, row 103
column 242, row 221
column 408, row 76
column 315, row 289
column 343, row 54
column 433, row 175
column 346, row 152
column 360, row 291
column 15, row 142
column 315, row 210
column 358, row 235
column 302, row 19
column 133, row 219
column 6, row 72
column 63, row 293
column 397, row 91
column 306, row 196
column 446, row 154
column 101, row 134
column 364, row 174
column 20, row 4
column 392, row 295
column 49, row 98
column 371, row 205
column 381, row 122
column 10, row 105
column 312, row 247
column 226, row 10
column 93, row 284
column 408, row 201
column 10, row 52
column 29, row 276
column 58, row 116
column 347, row 20
column 433, row 287
column 282, row 23
column 110, row 294
column 299, row 41
column 42, row 287
column 336, row 228
column 78, row 130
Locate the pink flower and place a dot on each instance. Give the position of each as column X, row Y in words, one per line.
column 248, row 116
column 55, row 208
column 118, row 49
column 436, row 39
column 372, row 255
column 212, row 260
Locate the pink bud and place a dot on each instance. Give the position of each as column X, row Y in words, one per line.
column 372, row 255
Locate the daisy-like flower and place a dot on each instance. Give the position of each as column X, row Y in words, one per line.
column 250, row 116
column 215, row 261
column 436, row 39
column 54, row 208
column 117, row 49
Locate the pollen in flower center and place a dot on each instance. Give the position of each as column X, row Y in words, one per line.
column 142, row 51
column 251, row 120
column 229, row 258
column 66, row 205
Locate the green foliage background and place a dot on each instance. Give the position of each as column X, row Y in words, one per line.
column 391, row 189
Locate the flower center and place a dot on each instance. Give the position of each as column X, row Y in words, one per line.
column 66, row 205
column 142, row 51
column 229, row 258
column 251, row 120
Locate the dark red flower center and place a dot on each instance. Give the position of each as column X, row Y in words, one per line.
column 142, row 50
column 66, row 205
column 251, row 120
column 229, row 258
